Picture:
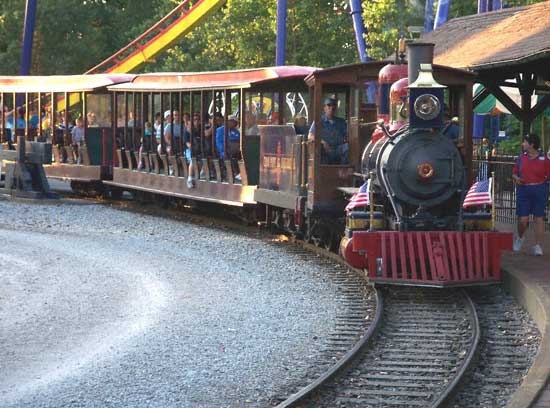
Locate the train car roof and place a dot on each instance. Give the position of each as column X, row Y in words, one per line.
column 60, row 83
column 366, row 71
column 235, row 79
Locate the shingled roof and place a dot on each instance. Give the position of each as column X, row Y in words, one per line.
column 502, row 38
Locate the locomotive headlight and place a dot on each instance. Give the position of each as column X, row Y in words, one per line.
column 427, row 107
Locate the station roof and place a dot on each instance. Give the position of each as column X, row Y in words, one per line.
column 498, row 39
column 235, row 79
column 60, row 83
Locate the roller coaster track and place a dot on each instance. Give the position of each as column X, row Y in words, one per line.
column 165, row 33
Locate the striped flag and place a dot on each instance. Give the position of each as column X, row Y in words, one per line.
column 360, row 198
column 479, row 193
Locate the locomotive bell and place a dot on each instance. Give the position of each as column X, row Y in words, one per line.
column 426, row 100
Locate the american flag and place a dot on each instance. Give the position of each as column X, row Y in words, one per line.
column 479, row 193
column 360, row 198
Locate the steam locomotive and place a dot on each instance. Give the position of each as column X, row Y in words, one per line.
column 417, row 182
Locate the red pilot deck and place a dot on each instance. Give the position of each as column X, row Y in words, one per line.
column 445, row 258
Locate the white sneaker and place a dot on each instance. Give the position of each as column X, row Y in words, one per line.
column 518, row 244
column 238, row 178
column 190, row 183
column 536, row 250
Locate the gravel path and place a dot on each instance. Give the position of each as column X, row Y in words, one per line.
column 105, row 308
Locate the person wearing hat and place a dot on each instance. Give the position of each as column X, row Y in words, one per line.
column 531, row 174
column 333, row 133
column 233, row 138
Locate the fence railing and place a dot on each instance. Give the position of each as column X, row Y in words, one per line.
column 505, row 191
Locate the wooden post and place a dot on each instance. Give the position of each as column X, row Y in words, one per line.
column 493, row 209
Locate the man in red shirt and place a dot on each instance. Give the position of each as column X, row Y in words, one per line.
column 531, row 173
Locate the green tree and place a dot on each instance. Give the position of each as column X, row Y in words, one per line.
column 386, row 20
column 73, row 35
column 243, row 33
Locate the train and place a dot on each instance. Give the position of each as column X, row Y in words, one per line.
column 413, row 230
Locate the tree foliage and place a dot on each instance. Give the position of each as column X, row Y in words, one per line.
column 243, row 34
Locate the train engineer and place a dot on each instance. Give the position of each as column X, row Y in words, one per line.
column 531, row 174
column 334, row 133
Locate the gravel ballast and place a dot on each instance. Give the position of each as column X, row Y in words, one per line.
column 107, row 308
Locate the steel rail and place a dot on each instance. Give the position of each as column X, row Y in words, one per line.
column 343, row 363
column 469, row 359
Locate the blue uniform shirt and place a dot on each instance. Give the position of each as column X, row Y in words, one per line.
column 233, row 135
column 334, row 131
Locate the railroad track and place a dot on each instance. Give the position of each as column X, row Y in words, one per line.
column 415, row 353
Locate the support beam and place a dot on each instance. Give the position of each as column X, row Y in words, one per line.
column 480, row 97
column 506, row 100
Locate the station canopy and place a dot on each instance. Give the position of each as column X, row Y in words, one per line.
column 509, row 48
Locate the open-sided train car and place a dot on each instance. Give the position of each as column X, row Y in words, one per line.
column 253, row 96
column 43, row 108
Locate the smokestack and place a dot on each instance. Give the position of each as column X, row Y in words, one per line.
column 418, row 53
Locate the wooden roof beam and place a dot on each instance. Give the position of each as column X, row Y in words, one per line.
column 506, row 101
column 480, row 97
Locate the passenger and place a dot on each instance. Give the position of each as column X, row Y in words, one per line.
column 261, row 119
column 21, row 123
column 300, row 125
column 8, row 126
column 77, row 134
column 187, row 121
column 91, row 120
column 146, row 143
column 214, row 122
column 233, row 144
column 173, row 132
column 334, row 132
column 195, row 131
column 250, row 121
column 531, row 173
column 233, row 138
column 34, row 121
column 157, row 126
column 46, row 127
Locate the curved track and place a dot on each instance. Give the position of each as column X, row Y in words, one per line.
column 425, row 340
